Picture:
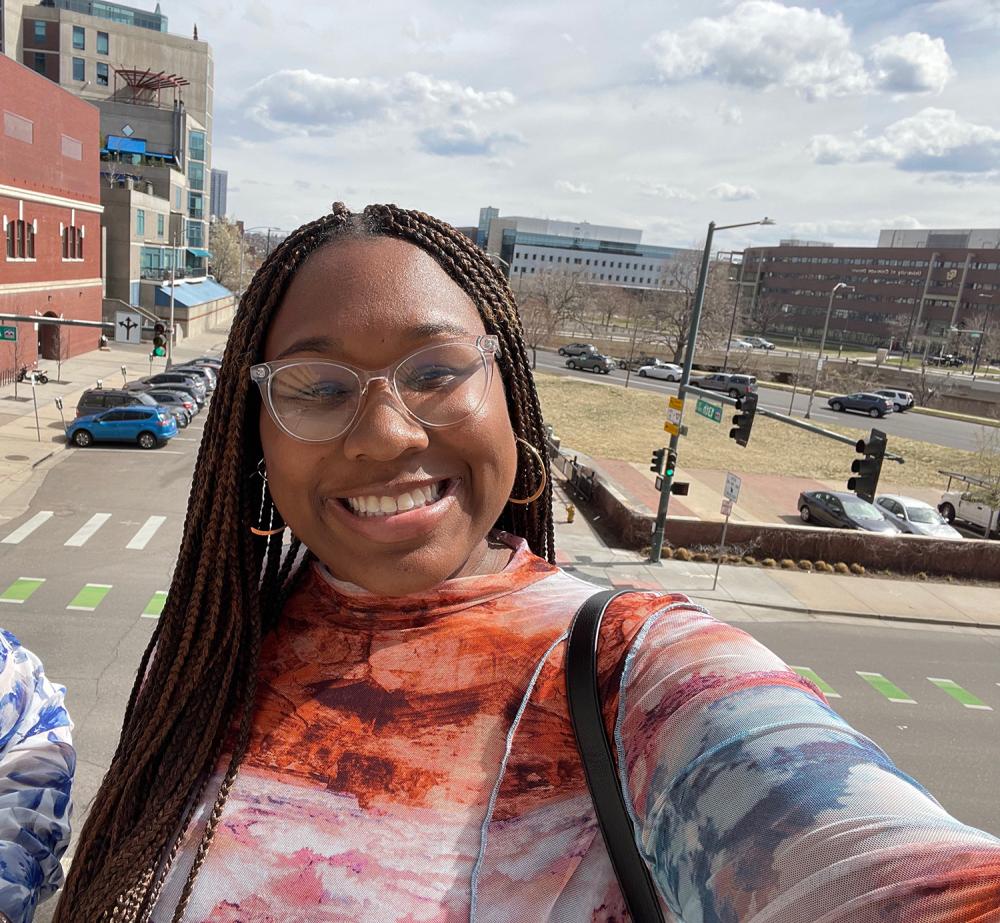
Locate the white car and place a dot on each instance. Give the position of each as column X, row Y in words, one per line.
column 915, row 517
column 759, row 342
column 740, row 344
column 665, row 370
column 969, row 507
column 901, row 400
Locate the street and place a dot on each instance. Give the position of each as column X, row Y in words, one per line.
column 955, row 434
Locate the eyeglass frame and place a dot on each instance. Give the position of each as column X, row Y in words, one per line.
column 261, row 374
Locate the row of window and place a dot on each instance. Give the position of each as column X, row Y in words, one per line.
column 140, row 223
column 79, row 36
column 19, row 236
column 596, row 277
column 580, row 261
column 880, row 262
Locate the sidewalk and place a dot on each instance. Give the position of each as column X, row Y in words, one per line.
column 25, row 445
column 751, row 593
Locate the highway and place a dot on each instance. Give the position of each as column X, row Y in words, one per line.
column 954, row 434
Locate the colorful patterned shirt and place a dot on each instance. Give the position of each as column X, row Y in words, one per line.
column 412, row 759
column 37, row 762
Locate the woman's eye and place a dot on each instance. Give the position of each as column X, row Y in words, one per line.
column 436, row 376
column 317, row 393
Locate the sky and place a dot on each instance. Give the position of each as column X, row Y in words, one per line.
column 834, row 119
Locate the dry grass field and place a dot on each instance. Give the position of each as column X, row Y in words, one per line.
column 609, row 421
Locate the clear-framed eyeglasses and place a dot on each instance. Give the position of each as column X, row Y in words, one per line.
column 318, row 400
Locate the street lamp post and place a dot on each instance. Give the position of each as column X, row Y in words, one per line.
column 822, row 343
column 656, row 546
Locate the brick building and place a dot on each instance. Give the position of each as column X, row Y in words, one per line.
column 51, row 212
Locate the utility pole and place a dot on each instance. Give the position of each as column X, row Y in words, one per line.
column 173, row 279
column 822, row 344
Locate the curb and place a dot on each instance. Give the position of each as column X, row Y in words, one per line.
column 35, row 464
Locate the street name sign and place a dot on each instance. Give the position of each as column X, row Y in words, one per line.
column 127, row 327
column 8, row 334
column 732, row 488
column 727, row 507
column 709, row 410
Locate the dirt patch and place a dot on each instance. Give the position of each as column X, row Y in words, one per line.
column 608, row 421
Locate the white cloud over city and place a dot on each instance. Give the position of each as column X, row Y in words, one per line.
column 834, row 119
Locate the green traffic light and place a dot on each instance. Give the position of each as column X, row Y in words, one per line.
column 669, row 472
column 159, row 351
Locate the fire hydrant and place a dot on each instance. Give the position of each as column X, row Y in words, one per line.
column 570, row 512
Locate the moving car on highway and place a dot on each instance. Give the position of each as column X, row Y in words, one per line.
column 577, row 349
column 733, row 385
column 901, row 400
column 664, row 370
column 843, row 511
column 915, row 517
column 759, row 342
column 740, row 344
column 875, row 405
column 595, row 362
column 150, row 427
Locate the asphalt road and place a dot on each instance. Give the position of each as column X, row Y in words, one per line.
column 954, row 434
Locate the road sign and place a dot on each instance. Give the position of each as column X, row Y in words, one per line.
column 8, row 334
column 127, row 327
column 727, row 507
column 732, row 488
column 676, row 403
column 672, row 428
column 675, row 409
column 708, row 409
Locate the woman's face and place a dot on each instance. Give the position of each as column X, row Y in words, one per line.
column 370, row 303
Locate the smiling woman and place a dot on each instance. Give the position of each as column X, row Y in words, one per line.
column 371, row 722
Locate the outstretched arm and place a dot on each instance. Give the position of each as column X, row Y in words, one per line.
column 37, row 761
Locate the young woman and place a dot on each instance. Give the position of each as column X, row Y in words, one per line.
column 371, row 724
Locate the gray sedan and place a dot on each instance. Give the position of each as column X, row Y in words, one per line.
column 915, row 517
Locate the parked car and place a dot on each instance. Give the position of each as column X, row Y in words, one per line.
column 875, row 405
column 179, row 381
column 97, row 400
column 843, row 510
column 733, row 385
column 214, row 361
column 665, row 370
column 172, row 399
column 148, row 426
column 596, row 363
column 204, row 372
column 914, row 516
column 759, row 342
column 577, row 349
column 971, row 507
column 901, row 400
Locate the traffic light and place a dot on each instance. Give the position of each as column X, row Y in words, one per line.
column 159, row 329
column 671, row 464
column 656, row 462
column 159, row 351
column 743, row 421
column 868, row 468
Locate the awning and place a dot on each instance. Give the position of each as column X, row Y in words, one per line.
column 199, row 252
column 188, row 294
column 127, row 145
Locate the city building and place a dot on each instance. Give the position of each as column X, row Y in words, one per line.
column 597, row 254
column 917, row 289
column 50, row 203
column 220, row 187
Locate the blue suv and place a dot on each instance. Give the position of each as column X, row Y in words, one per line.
column 148, row 426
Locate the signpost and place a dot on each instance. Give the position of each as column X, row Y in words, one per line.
column 709, row 410
column 675, row 410
column 731, row 494
column 127, row 327
column 8, row 334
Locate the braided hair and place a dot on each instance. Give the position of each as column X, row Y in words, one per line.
column 192, row 703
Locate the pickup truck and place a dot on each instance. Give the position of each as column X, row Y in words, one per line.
column 969, row 507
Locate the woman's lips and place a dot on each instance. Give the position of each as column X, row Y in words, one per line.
column 401, row 525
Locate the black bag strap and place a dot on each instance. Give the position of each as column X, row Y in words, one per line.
column 598, row 763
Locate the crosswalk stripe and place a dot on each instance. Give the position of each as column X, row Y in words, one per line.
column 89, row 598
column 154, row 607
column 87, row 530
column 818, row 681
column 886, row 687
column 25, row 529
column 21, row 589
column 148, row 530
column 959, row 694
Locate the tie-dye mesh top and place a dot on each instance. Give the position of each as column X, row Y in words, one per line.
column 413, row 759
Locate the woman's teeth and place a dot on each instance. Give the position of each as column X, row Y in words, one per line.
column 386, row 506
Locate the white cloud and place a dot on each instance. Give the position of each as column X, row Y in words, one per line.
column 461, row 138
column 727, row 192
column 763, row 44
column 663, row 191
column 933, row 140
column 911, row 63
column 729, row 114
column 968, row 14
column 564, row 185
column 839, row 230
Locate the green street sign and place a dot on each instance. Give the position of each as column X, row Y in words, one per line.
column 708, row 409
column 8, row 334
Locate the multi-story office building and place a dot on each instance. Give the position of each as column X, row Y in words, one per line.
column 597, row 254
column 916, row 288
column 220, row 189
column 50, row 205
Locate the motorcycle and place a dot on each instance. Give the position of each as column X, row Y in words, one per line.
column 25, row 375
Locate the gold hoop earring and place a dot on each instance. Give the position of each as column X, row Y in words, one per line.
column 541, row 465
column 264, row 533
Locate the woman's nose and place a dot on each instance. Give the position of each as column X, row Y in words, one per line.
column 383, row 429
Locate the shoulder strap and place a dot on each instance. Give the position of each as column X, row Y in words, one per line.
column 598, row 763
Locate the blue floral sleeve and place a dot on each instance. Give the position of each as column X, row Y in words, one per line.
column 37, row 762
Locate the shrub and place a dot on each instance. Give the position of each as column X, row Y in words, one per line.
column 701, row 557
column 921, row 575
column 769, row 562
column 841, row 568
column 788, row 564
column 857, row 568
column 682, row 554
column 749, row 559
column 805, row 565
column 666, row 552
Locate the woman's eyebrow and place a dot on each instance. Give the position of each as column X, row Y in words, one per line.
column 326, row 344
column 315, row 344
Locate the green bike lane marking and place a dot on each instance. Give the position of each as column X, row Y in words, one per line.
column 886, row 687
column 818, row 681
column 155, row 606
column 959, row 694
column 21, row 589
column 89, row 598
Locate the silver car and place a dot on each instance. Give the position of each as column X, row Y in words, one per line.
column 915, row 516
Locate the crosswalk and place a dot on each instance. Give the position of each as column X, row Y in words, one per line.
column 43, row 524
column 894, row 695
column 89, row 598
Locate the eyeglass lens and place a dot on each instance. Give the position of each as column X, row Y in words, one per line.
column 438, row 385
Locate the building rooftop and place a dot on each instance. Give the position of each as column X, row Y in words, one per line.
column 115, row 12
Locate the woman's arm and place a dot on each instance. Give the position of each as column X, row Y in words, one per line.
column 756, row 802
column 37, row 761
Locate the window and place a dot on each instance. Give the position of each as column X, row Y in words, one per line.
column 196, row 205
column 79, row 69
column 177, row 198
column 20, row 240
column 195, row 234
column 196, row 145
column 102, row 74
column 72, row 243
column 39, row 62
column 196, row 178
column 40, row 32
column 79, row 38
column 140, row 222
column 102, row 42
column 159, row 225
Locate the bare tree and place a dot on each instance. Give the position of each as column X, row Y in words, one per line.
column 225, row 242
column 762, row 313
column 546, row 302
